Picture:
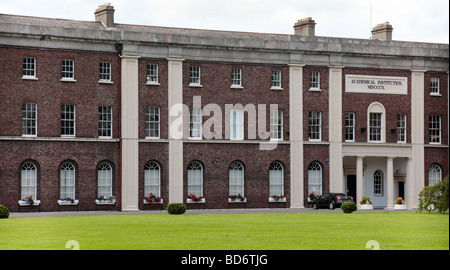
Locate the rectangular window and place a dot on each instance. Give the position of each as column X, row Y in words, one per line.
column 314, row 82
column 435, row 129
column 237, row 124
column 349, row 126
column 152, row 73
column 29, row 119
column 401, row 128
column 105, row 71
column 376, row 126
column 67, row 120
column 276, row 78
column 152, row 122
column 195, row 75
column 236, row 77
column 276, row 125
column 435, row 81
column 105, row 121
column 68, row 69
column 29, row 67
column 195, row 123
column 315, row 126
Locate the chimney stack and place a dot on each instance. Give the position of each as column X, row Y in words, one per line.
column 305, row 27
column 105, row 15
column 382, row 31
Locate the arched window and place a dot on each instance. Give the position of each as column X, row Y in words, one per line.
column 152, row 179
column 276, row 179
column 195, row 179
column 236, row 179
column 376, row 121
column 378, row 183
column 67, row 172
column 28, row 180
column 434, row 174
column 105, row 177
column 315, row 178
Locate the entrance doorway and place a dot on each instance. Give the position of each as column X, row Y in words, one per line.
column 401, row 189
column 351, row 186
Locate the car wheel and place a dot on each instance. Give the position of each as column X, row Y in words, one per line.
column 331, row 206
column 315, row 206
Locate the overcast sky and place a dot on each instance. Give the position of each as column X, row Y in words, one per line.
column 413, row 20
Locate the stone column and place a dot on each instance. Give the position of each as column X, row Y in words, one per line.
column 129, row 133
column 411, row 200
column 359, row 180
column 390, row 183
column 296, row 134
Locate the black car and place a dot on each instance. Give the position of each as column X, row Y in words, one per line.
column 330, row 200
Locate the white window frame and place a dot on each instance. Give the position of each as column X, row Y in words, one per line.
column 152, row 122
column 195, row 123
column 67, row 180
column 152, row 179
column 276, row 179
column 66, row 121
column 29, row 68
column 152, row 74
column 236, row 78
column 68, row 70
column 195, row 76
column 276, row 79
column 434, row 174
column 435, row 86
column 315, row 178
column 276, row 125
column 236, row 177
column 105, row 72
column 236, row 124
column 378, row 180
column 314, row 81
column 29, row 120
column 195, row 179
column 315, row 126
column 103, row 124
column 401, row 128
column 376, row 108
column 435, row 129
column 350, row 118
column 28, row 180
column 105, row 180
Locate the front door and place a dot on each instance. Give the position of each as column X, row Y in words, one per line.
column 351, row 186
column 401, row 189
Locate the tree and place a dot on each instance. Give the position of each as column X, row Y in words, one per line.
column 435, row 197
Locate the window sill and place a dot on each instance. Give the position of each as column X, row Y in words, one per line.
column 105, row 82
column 24, row 203
column 64, row 202
column 105, row 202
column 153, row 83
column 150, row 202
column 315, row 90
column 193, row 85
column 435, row 94
column 29, row 78
column 244, row 200
column 191, row 201
column 279, row 200
column 68, row 80
column 237, row 87
column 273, row 88
column 29, row 136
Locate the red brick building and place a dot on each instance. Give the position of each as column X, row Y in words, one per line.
column 98, row 115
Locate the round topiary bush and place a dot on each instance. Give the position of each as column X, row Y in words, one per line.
column 176, row 208
column 348, row 207
column 4, row 212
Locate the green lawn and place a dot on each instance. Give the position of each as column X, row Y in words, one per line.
column 290, row 231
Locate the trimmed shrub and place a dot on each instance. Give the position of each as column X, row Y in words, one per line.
column 4, row 212
column 176, row 208
column 348, row 207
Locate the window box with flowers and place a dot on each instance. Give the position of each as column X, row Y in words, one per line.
column 237, row 199
column 277, row 198
column 29, row 201
column 153, row 199
column 194, row 199
column 111, row 200
column 366, row 203
column 400, row 204
column 68, row 201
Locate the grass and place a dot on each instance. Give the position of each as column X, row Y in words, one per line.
column 287, row 231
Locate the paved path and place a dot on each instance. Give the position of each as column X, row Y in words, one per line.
column 207, row 211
